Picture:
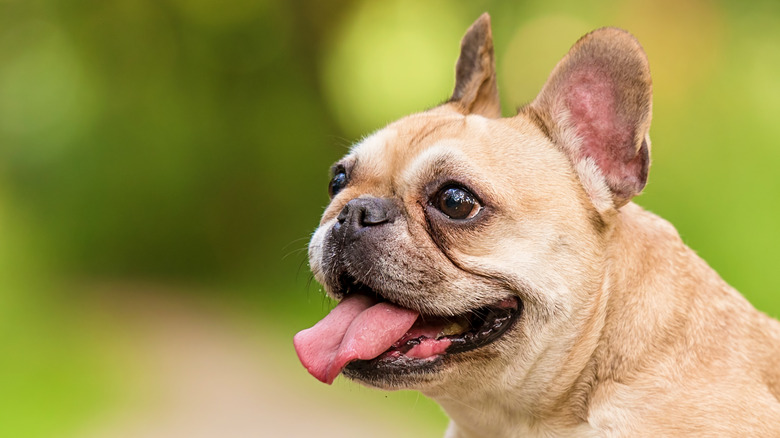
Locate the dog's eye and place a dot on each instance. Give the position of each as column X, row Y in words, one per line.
column 457, row 203
column 338, row 183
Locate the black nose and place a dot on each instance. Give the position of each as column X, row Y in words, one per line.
column 366, row 212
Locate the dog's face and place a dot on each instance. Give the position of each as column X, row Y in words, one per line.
column 468, row 221
column 490, row 232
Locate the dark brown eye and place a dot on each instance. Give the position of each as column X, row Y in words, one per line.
column 338, row 183
column 457, row 203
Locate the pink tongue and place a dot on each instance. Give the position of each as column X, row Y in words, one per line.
column 357, row 328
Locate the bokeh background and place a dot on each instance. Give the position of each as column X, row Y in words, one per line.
column 163, row 163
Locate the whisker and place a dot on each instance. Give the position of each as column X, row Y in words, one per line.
column 300, row 265
column 294, row 252
column 341, row 141
column 294, row 241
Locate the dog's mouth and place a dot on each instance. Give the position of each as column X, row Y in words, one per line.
column 368, row 335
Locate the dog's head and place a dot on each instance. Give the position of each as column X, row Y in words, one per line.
column 467, row 247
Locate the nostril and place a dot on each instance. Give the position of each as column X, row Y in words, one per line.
column 371, row 216
column 344, row 214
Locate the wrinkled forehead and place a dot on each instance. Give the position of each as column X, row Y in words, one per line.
column 498, row 155
column 420, row 139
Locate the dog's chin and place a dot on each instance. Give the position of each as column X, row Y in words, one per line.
column 436, row 344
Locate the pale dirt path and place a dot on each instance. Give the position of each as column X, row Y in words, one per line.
column 199, row 373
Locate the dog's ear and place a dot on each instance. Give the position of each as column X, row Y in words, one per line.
column 476, row 91
column 597, row 105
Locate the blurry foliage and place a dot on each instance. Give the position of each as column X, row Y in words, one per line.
column 190, row 140
column 162, row 138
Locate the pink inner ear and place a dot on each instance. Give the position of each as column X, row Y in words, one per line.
column 591, row 100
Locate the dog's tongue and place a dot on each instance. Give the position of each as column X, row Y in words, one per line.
column 358, row 328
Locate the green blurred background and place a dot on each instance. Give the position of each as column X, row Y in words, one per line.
column 163, row 163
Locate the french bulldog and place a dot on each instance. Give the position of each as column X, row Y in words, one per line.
column 499, row 266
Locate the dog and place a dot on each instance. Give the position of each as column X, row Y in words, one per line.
column 499, row 266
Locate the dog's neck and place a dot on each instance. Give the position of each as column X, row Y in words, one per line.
column 620, row 331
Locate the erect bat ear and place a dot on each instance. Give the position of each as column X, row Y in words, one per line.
column 476, row 91
column 597, row 106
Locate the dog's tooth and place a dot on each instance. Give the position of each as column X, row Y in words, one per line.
column 453, row 328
